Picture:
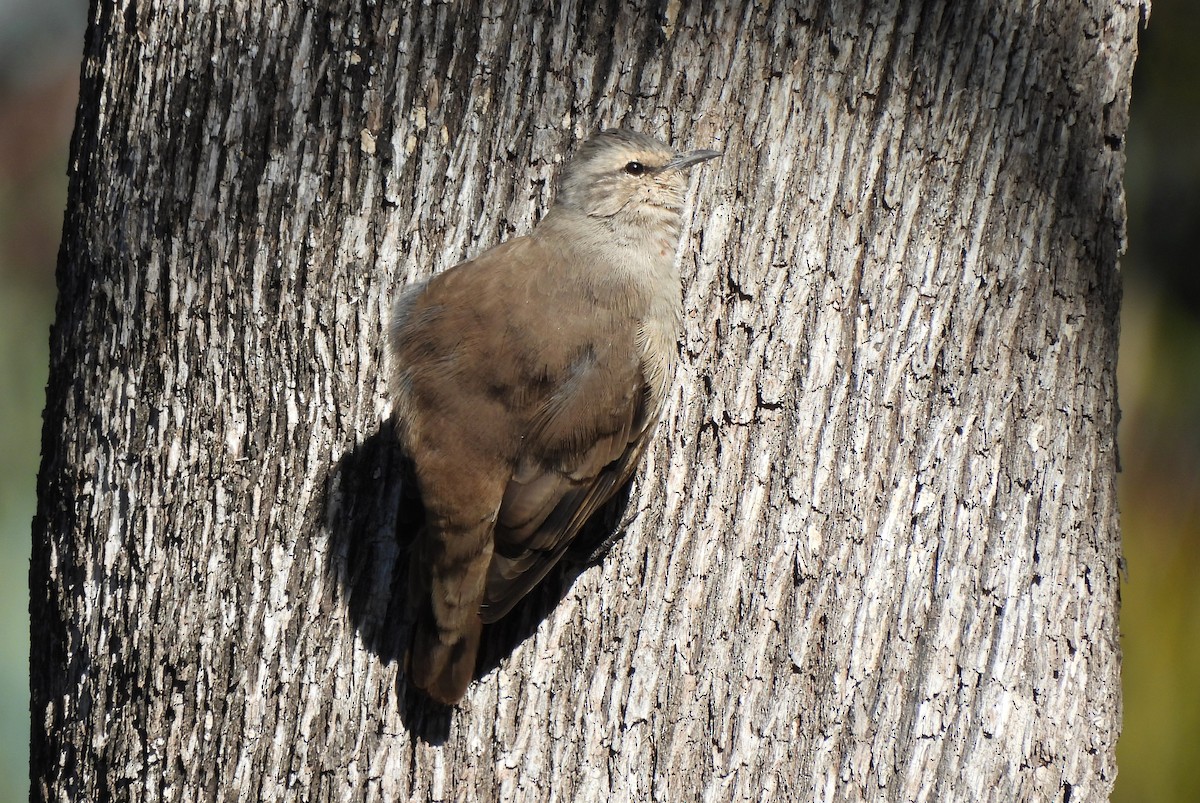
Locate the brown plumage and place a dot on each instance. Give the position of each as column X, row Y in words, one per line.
column 527, row 382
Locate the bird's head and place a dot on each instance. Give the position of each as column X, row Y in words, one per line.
column 620, row 173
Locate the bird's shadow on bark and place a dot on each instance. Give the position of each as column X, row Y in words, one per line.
column 373, row 512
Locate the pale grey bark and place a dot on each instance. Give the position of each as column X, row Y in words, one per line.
column 873, row 554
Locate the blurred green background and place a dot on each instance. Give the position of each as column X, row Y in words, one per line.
column 40, row 43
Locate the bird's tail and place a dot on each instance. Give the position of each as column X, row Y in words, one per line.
column 442, row 663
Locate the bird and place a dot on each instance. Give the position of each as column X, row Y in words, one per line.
column 526, row 383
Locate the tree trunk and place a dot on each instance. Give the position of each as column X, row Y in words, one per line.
column 874, row 551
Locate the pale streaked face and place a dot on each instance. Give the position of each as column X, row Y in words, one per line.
column 626, row 173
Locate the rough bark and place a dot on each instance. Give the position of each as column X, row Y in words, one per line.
column 874, row 552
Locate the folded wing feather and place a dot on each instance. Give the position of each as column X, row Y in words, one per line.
column 554, row 490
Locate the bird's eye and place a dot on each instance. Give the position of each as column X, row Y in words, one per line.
column 635, row 168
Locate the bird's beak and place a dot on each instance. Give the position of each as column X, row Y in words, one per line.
column 686, row 160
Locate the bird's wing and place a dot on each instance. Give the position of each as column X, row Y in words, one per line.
column 519, row 370
column 584, row 445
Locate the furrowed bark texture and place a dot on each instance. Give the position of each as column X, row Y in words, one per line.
column 873, row 554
